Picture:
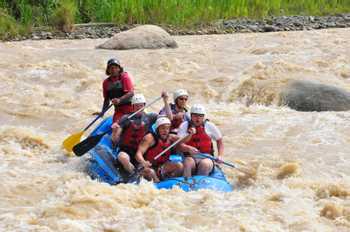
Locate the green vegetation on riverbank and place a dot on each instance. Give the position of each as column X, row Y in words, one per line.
column 19, row 16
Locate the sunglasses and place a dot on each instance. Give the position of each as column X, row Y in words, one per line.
column 197, row 115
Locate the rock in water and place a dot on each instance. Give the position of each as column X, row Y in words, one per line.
column 331, row 211
column 141, row 37
column 287, row 170
column 309, row 96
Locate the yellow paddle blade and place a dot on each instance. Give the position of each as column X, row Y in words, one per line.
column 72, row 140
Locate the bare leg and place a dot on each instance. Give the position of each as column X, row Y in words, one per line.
column 189, row 166
column 124, row 159
column 170, row 169
column 115, row 134
column 150, row 174
column 204, row 167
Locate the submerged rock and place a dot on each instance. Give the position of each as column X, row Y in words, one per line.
column 310, row 96
column 141, row 37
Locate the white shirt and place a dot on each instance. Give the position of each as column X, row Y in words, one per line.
column 209, row 127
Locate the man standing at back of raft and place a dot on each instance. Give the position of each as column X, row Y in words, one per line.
column 201, row 133
column 128, row 133
column 118, row 89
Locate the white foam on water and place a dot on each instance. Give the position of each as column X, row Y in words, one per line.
column 49, row 89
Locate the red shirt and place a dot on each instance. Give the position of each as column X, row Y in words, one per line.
column 124, row 78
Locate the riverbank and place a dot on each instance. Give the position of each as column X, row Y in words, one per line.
column 273, row 24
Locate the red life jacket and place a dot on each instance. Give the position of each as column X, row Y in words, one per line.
column 115, row 89
column 201, row 140
column 132, row 135
column 157, row 148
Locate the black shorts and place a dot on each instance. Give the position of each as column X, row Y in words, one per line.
column 131, row 152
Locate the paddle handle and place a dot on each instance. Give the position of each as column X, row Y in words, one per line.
column 98, row 116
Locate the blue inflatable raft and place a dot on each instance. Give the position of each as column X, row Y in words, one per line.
column 104, row 167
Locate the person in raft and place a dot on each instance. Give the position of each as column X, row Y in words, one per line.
column 178, row 111
column 152, row 145
column 128, row 133
column 118, row 89
column 200, row 133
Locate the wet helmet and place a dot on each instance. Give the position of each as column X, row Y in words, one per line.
column 138, row 99
column 179, row 93
column 162, row 121
column 110, row 62
column 113, row 61
column 197, row 109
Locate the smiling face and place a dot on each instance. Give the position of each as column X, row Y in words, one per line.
column 181, row 101
column 137, row 106
column 114, row 70
column 197, row 119
column 163, row 131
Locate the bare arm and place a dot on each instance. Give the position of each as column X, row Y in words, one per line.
column 220, row 146
column 167, row 109
column 187, row 148
column 184, row 148
column 146, row 142
column 116, row 132
column 191, row 131
column 126, row 96
column 173, row 139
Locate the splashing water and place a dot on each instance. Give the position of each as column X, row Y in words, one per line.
column 49, row 89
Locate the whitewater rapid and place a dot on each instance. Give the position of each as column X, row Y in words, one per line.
column 49, row 90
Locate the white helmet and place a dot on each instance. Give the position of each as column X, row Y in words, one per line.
column 197, row 109
column 161, row 121
column 138, row 99
column 179, row 93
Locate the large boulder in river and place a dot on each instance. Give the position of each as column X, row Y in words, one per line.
column 142, row 37
column 309, row 96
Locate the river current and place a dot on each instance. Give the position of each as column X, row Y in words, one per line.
column 49, row 90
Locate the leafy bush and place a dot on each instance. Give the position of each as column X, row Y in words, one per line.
column 9, row 28
column 63, row 17
column 62, row 14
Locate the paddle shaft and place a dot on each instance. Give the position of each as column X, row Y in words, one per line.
column 249, row 172
column 147, row 105
column 171, row 146
column 228, row 164
column 103, row 112
column 98, row 116
column 136, row 112
column 216, row 160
